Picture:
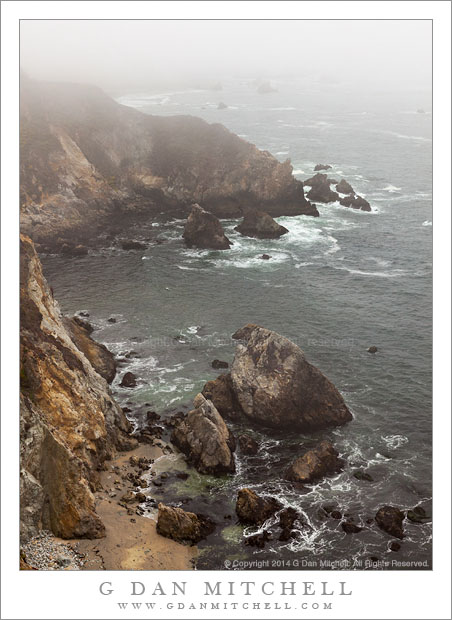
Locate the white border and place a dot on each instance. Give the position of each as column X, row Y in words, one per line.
column 30, row 594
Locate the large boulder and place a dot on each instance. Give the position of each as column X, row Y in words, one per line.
column 355, row 202
column 182, row 526
column 321, row 167
column 315, row 464
column 320, row 189
column 205, row 439
column 204, row 230
column 343, row 187
column 276, row 386
column 260, row 225
column 221, row 392
column 390, row 519
column 253, row 509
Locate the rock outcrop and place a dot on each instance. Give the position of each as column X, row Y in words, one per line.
column 221, row 392
column 315, row 464
column 69, row 422
column 88, row 163
column 260, row 225
column 204, row 230
column 321, row 167
column 343, row 187
column 182, row 526
column 276, row 386
column 355, row 202
column 101, row 359
column 320, row 189
column 205, row 439
column 253, row 509
column 390, row 519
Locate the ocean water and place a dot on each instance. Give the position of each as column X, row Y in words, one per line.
column 335, row 285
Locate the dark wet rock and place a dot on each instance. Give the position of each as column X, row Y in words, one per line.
column 320, row 189
column 372, row 349
column 182, row 526
column 220, row 391
column 328, row 508
column 83, row 313
column 205, row 439
column 321, row 167
column 221, row 106
column 287, row 518
column 276, row 386
column 390, row 519
column 74, row 250
column 362, row 475
column 130, row 244
column 417, row 515
column 248, row 445
column 315, row 464
column 350, row 528
column 265, row 257
column 355, row 202
column 395, row 546
column 254, row 509
column 285, row 535
column 101, row 359
column 260, row 225
column 129, row 380
column 217, row 364
column 343, row 187
column 112, row 320
column 204, row 230
column 258, row 540
column 335, row 514
column 369, row 521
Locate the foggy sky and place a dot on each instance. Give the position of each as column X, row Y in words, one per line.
column 130, row 54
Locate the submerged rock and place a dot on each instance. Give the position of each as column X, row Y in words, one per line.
column 343, row 187
column 130, row 244
column 204, row 230
column 254, row 509
column 362, row 475
column 221, row 392
column 276, row 386
column 260, row 225
column 182, row 526
column 350, row 528
column 217, row 364
column 205, row 439
column 417, row 515
column 355, row 202
column 321, row 167
column 129, row 380
column 390, row 519
column 315, row 464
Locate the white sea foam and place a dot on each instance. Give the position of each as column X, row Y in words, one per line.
column 427, row 223
column 391, row 188
column 394, row 441
column 298, row 171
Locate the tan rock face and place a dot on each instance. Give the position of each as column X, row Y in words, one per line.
column 220, row 391
column 182, row 526
column 205, row 439
column 315, row 464
column 277, row 387
column 254, row 509
column 70, row 423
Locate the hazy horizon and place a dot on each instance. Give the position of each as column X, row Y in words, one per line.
column 133, row 54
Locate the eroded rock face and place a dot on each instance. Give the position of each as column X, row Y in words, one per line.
column 221, row 392
column 70, row 423
column 276, row 386
column 204, row 230
column 343, row 187
column 260, row 225
column 390, row 519
column 315, row 464
column 355, row 202
column 182, row 526
column 254, row 509
column 101, row 359
column 320, row 189
column 205, row 439
column 321, row 167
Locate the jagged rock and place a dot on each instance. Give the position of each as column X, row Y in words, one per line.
column 102, row 360
column 315, row 464
column 69, row 423
column 372, row 349
column 287, row 518
column 343, row 187
column 260, row 225
column 321, row 167
column 217, row 364
column 265, row 257
column 355, row 202
column 350, row 528
column 182, row 526
column 205, row 439
column 320, row 189
column 276, row 386
column 248, row 445
column 254, row 509
column 221, row 392
column 204, row 230
column 129, row 380
column 390, row 519
column 86, row 325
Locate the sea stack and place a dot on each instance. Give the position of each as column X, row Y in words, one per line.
column 204, row 230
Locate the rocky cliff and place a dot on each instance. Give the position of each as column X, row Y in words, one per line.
column 86, row 160
column 69, row 422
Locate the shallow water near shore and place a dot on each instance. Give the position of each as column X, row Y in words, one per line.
column 335, row 285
